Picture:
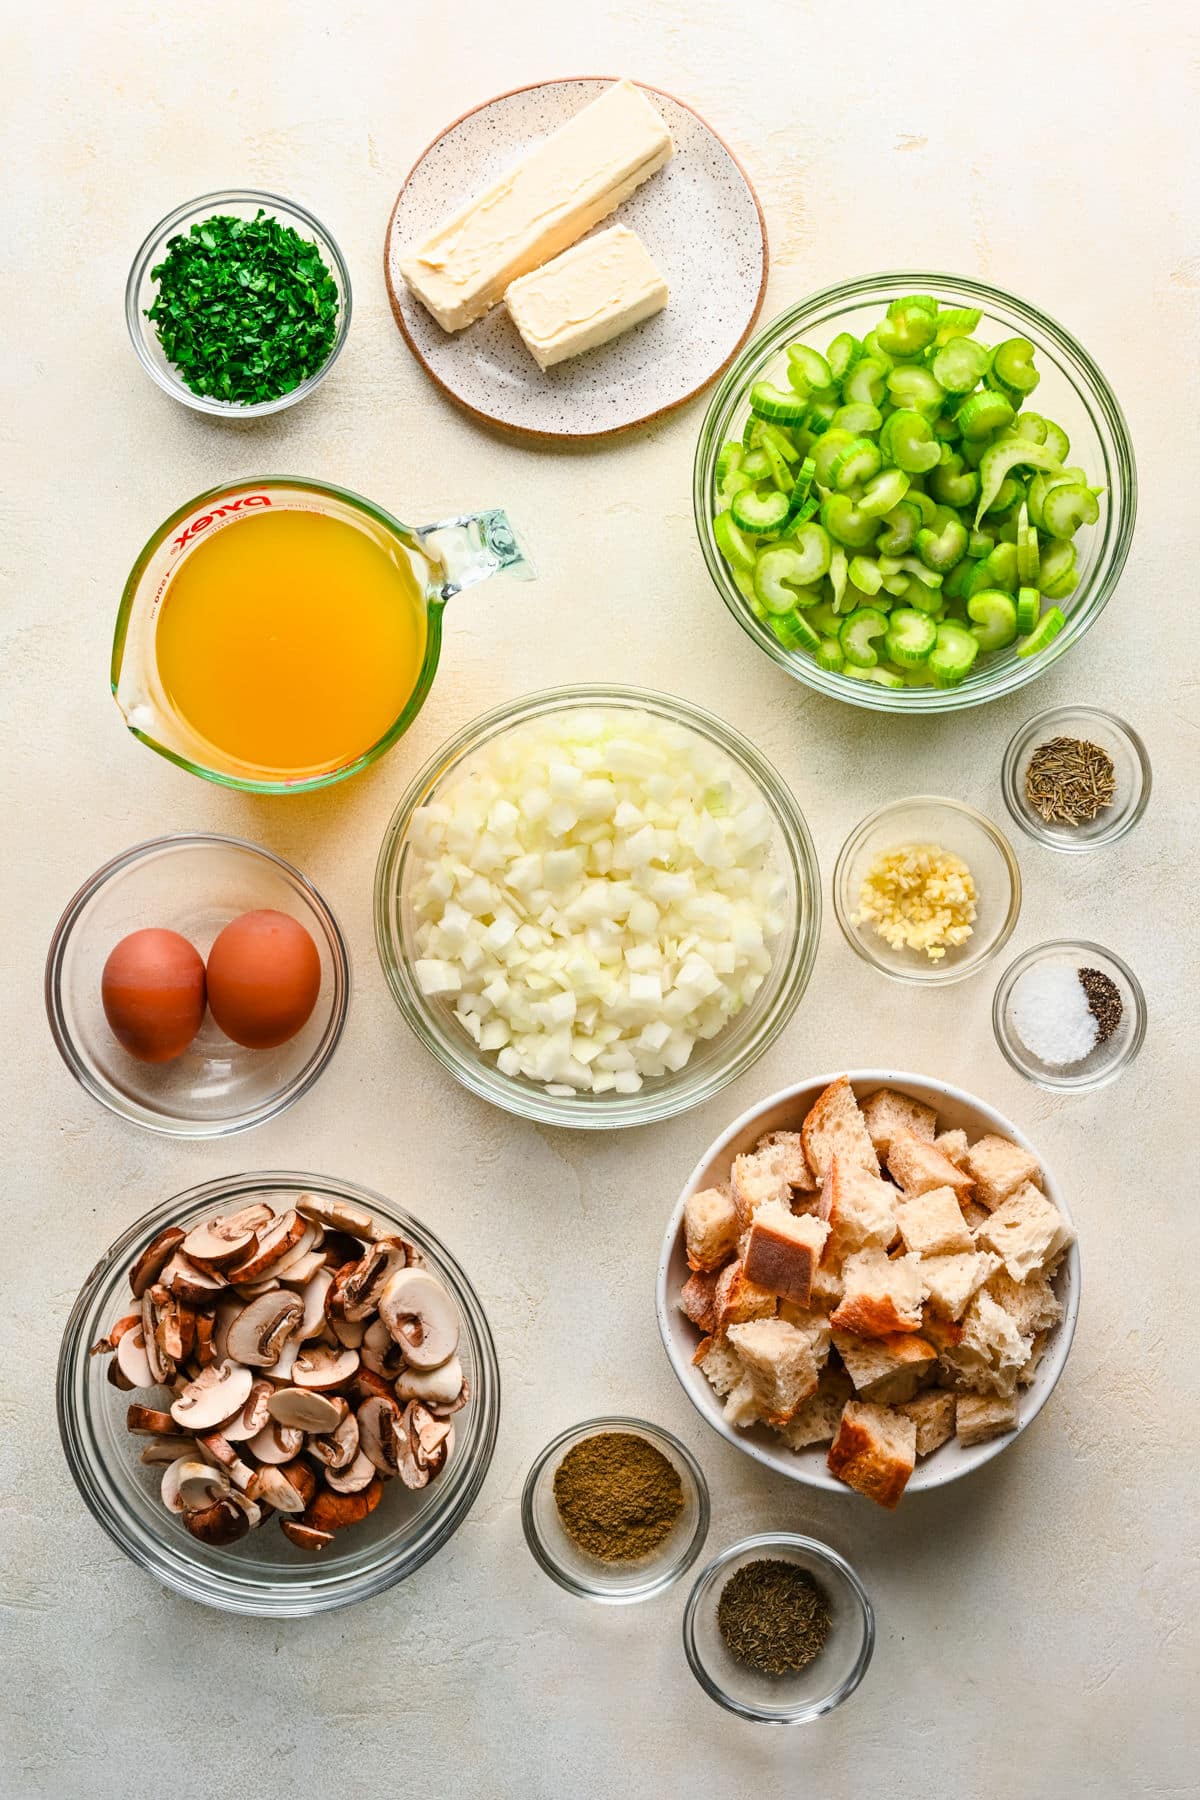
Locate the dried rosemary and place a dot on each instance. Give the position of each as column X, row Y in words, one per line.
column 773, row 1616
column 1068, row 781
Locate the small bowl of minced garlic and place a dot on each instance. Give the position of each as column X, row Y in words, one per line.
column 926, row 890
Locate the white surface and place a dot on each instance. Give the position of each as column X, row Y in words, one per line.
column 1037, row 1623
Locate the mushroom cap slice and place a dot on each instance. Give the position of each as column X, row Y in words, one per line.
column 216, row 1395
column 200, row 1484
column 333, row 1512
column 380, row 1351
column 169, row 1487
column 338, row 1214
column 220, row 1243
column 340, row 1248
column 378, row 1426
column 262, row 1328
column 161, row 1367
column 305, row 1410
column 271, row 1246
column 106, row 1345
column 300, row 1272
column 147, row 1421
column 222, row 1523
column 188, row 1281
column 442, row 1386
column 253, row 1416
column 167, row 1450
column 273, row 1486
column 337, row 1449
column 357, row 1286
column 352, row 1480
column 154, row 1259
column 305, row 1537
column 348, row 1332
column 315, row 1289
column 322, row 1368
column 276, row 1444
column 132, row 1360
column 421, row 1316
column 285, row 1362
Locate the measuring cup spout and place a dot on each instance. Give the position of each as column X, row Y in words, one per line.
column 474, row 548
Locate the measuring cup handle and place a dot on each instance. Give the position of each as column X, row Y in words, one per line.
column 474, row 548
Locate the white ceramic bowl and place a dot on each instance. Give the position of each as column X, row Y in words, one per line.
column 785, row 1110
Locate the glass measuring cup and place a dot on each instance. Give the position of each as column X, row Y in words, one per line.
column 443, row 559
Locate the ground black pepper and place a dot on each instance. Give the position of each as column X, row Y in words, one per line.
column 618, row 1496
column 1104, row 1001
column 773, row 1616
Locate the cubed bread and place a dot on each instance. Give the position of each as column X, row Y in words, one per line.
column 1037, row 1350
column 698, row 1297
column 979, row 1417
column 874, row 1452
column 710, row 1228
column 953, row 1144
column 721, row 1364
column 783, row 1251
column 835, row 1127
column 779, row 1363
column 918, row 1166
column 1032, row 1305
column 1027, row 1232
column 950, row 1281
column 1000, row 1168
column 814, row 1325
column 888, row 1369
column 975, row 1216
column 882, row 1294
column 742, row 1405
column 991, row 1352
column 786, row 1150
column 943, row 1334
column 931, row 1224
column 933, row 1415
column 815, row 1421
column 858, row 1207
column 827, row 1287
column 886, row 1111
column 737, row 1299
column 755, row 1181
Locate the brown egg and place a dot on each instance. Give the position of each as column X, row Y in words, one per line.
column 152, row 990
column 264, row 975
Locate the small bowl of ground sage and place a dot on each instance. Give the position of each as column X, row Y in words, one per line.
column 615, row 1510
column 778, row 1629
column 238, row 303
column 1076, row 778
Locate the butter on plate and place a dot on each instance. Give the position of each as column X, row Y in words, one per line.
column 561, row 189
column 586, row 296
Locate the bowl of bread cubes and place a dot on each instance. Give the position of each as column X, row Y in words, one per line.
column 870, row 1283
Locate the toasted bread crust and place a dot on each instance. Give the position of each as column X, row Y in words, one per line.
column 872, row 1457
column 873, row 1316
column 697, row 1297
column 835, row 1124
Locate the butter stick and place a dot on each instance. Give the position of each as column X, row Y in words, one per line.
column 558, row 192
column 586, row 296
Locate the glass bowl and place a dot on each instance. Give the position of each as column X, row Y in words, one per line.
column 141, row 291
column 193, row 883
column 833, row 1674
column 613, row 1584
column 954, row 826
column 264, row 1574
column 1131, row 768
column 1105, row 1061
column 714, row 1063
column 1072, row 391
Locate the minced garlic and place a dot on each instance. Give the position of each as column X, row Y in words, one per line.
column 918, row 897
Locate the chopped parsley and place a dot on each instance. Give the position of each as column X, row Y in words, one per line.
column 246, row 308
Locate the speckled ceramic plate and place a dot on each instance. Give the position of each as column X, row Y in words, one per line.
column 699, row 218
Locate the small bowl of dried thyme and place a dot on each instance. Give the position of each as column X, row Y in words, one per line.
column 615, row 1510
column 1076, row 778
column 238, row 303
column 779, row 1629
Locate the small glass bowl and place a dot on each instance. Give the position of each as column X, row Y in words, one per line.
column 953, row 826
column 264, row 1575
column 193, row 883
column 713, row 1064
column 1105, row 1061
column 141, row 291
column 829, row 1679
column 614, row 1584
column 1131, row 767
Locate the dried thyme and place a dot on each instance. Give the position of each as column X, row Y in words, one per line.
column 1068, row 781
column 773, row 1616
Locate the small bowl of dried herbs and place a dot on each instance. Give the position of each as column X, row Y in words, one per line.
column 778, row 1629
column 1076, row 778
column 615, row 1510
column 238, row 303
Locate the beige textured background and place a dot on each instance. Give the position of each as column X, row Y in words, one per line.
column 1037, row 1624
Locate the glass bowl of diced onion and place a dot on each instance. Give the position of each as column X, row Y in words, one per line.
column 597, row 906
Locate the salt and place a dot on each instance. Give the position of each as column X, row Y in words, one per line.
column 1051, row 1014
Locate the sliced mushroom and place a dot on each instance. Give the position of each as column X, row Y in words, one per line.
column 304, row 1410
column 105, row 1346
column 366, row 1385
column 421, row 1317
column 133, row 1361
column 337, row 1214
column 333, row 1512
column 412, row 1257
column 276, row 1444
column 222, row 1523
column 285, row 1362
column 188, row 1281
column 273, row 1486
column 337, row 1450
column 154, row 1259
column 205, row 1351
column 378, row 1428
column 304, row 1536
column 176, row 1324
column 322, row 1368
column 298, row 1274
column 380, row 1351
column 162, row 1368
column 273, row 1243
column 227, row 1311
column 340, row 1248
column 348, row 1333
column 262, row 1328
column 222, row 1243
column 169, row 1488
column 315, row 1290
column 360, row 1474
column 147, row 1421
column 215, row 1395
column 302, row 1247
column 167, row 1450
column 253, row 1416
column 201, row 1485
column 115, row 1378
column 357, row 1287
column 216, row 1449
column 250, row 1290
column 303, row 1478
column 440, row 1387
column 434, row 1438
column 253, row 1511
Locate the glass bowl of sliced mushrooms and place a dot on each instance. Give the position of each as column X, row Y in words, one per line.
column 278, row 1394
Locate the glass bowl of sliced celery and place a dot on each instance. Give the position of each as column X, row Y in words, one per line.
column 914, row 492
